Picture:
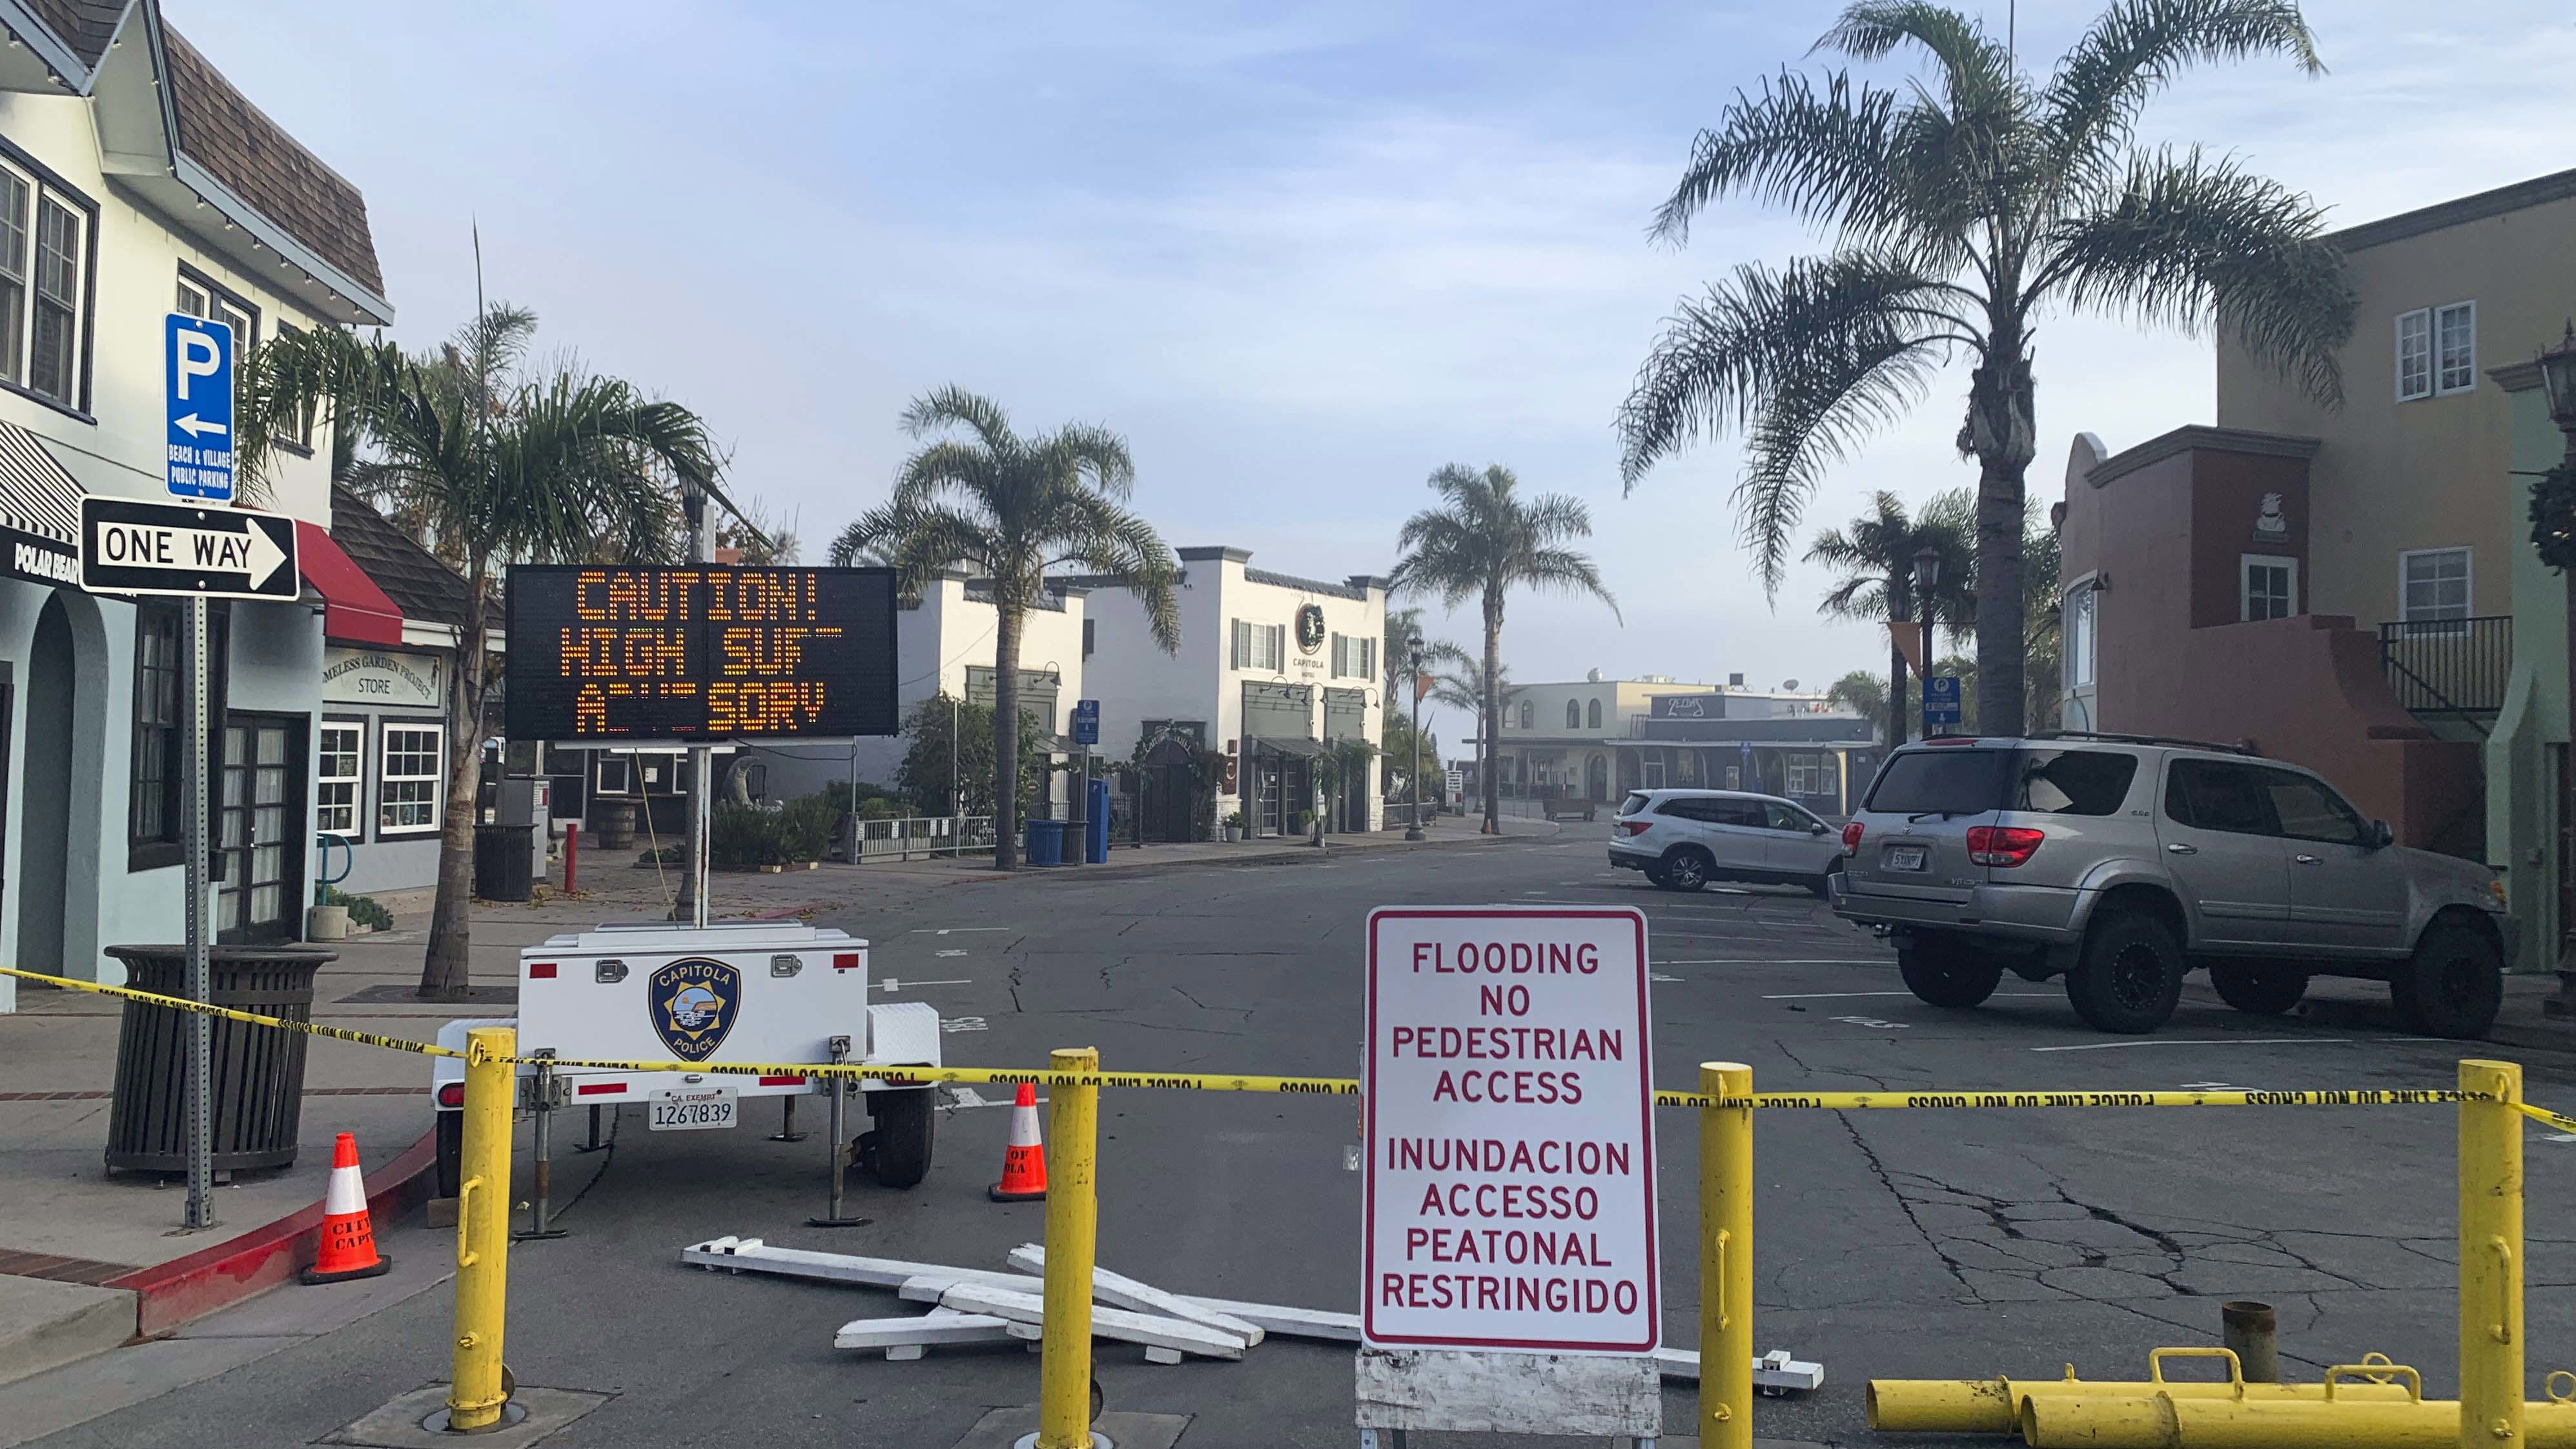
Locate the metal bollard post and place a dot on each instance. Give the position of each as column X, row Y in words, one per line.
column 1064, row 1368
column 840, row 1088
column 541, row 1154
column 2491, row 1350
column 2251, row 1331
column 572, row 855
column 1726, row 1260
column 475, row 1397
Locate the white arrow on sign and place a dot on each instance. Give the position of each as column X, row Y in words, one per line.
column 251, row 554
column 195, row 426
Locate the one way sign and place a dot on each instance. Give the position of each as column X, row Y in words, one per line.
column 131, row 547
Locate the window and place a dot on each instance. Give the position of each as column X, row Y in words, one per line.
column 2267, row 586
column 44, row 264
column 2073, row 782
column 1809, row 775
column 2083, row 605
column 2432, row 586
column 407, row 787
column 1790, row 818
column 1635, row 804
column 160, row 657
column 1573, row 715
column 340, row 765
column 201, row 298
column 1944, row 780
column 1259, row 646
column 1354, row 657
column 1529, row 716
column 2455, row 348
column 1088, row 628
column 2414, row 355
column 616, row 774
column 1592, row 715
column 1653, row 774
column 2308, row 809
column 2218, row 795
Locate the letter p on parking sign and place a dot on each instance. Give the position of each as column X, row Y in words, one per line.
column 198, row 398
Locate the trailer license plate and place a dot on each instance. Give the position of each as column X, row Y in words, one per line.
column 692, row 1109
column 1904, row 857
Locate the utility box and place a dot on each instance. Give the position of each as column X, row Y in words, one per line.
column 528, row 803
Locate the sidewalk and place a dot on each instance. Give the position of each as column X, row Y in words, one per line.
column 89, row 1261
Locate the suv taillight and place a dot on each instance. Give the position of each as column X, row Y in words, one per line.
column 1851, row 838
column 451, row 1094
column 1634, row 827
column 2002, row 845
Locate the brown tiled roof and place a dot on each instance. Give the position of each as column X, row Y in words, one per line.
column 222, row 131
column 84, row 25
column 410, row 575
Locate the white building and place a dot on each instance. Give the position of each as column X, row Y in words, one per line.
column 1596, row 739
column 944, row 645
column 1274, row 672
column 134, row 179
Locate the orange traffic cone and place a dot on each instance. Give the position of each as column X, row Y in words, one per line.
column 348, row 1247
column 1024, row 1160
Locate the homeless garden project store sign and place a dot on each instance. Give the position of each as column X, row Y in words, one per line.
column 699, row 653
column 1510, row 1188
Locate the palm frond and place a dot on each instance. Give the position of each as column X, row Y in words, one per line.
column 1974, row 66
column 2136, row 48
column 1825, row 156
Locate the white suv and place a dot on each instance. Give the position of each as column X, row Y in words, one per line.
column 1683, row 839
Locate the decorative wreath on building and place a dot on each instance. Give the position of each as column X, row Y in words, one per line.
column 2553, row 517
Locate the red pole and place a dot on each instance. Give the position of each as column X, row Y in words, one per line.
column 572, row 852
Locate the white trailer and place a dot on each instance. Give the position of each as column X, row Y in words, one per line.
column 749, row 992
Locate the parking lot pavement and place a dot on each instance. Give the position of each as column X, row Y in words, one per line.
column 1888, row 1243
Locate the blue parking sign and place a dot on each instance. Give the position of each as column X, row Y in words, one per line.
column 1940, row 700
column 198, row 391
column 1086, row 721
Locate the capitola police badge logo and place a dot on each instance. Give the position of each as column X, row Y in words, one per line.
column 693, row 1003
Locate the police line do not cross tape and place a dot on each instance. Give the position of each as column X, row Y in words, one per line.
column 1350, row 1087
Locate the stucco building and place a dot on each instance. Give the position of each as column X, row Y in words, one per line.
column 1596, row 739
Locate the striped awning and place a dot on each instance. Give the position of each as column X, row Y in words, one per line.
column 39, row 512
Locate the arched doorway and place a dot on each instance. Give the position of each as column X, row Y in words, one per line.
column 1171, row 790
column 1597, row 778
column 44, row 780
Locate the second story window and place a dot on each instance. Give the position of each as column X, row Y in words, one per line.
column 201, row 298
column 2433, row 589
column 1573, row 715
column 44, row 267
column 2414, row 355
column 1527, row 716
column 1592, row 715
column 2437, row 351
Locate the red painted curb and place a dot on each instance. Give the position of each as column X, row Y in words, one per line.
column 167, row 1295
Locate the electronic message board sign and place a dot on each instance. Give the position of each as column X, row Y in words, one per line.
column 699, row 653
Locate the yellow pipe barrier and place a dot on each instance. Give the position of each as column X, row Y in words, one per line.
column 1726, row 1257
column 2170, row 1421
column 1072, row 1216
column 2491, row 1363
column 1994, row 1406
column 474, row 1395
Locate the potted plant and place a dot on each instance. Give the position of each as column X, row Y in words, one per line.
column 1234, row 825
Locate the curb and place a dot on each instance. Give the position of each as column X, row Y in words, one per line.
column 167, row 1295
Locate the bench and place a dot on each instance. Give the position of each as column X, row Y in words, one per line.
column 1566, row 807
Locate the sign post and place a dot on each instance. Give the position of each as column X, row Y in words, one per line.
column 1086, row 733
column 1508, row 1248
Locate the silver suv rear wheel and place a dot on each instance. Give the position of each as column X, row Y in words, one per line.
column 2130, row 976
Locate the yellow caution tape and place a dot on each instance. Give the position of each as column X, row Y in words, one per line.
column 181, row 1003
column 2545, row 1116
column 1867, row 1101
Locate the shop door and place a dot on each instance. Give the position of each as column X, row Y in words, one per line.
column 1267, row 776
column 1170, row 791
column 259, row 829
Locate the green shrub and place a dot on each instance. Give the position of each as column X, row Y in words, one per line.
column 364, row 911
column 795, row 833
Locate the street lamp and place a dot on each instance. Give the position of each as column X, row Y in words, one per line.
column 1413, row 789
column 2558, row 378
column 1927, row 577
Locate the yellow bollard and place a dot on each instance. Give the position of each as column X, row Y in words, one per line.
column 1072, row 1215
column 474, row 1394
column 1726, row 1259
column 2491, row 1364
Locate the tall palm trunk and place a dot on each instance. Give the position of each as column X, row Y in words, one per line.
column 1493, row 712
column 1898, row 606
column 2002, row 435
column 445, row 969
column 1006, row 733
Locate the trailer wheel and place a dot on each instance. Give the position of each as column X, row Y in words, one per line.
column 897, row 1150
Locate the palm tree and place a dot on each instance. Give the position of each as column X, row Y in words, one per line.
column 1484, row 543
column 1960, row 209
column 1012, row 508
column 1458, row 682
column 491, row 461
column 1877, row 555
column 1861, row 692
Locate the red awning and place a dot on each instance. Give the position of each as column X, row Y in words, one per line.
column 354, row 610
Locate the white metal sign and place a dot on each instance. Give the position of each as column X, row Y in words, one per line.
column 1510, row 1184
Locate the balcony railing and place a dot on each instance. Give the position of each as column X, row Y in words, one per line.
column 2449, row 667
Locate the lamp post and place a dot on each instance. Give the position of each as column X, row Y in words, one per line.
column 1927, row 577
column 1413, row 782
column 2558, row 378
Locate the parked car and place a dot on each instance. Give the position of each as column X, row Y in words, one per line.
column 2123, row 862
column 1683, row 839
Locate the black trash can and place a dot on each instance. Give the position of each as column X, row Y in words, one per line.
column 257, row 1071
column 504, row 862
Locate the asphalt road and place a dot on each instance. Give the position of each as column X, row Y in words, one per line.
column 1900, row 1243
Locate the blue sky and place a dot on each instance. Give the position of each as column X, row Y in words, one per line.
column 1300, row 255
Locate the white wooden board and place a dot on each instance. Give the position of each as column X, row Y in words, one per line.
column 1114, row 1323
column 1125, row 1292
column 1509, row 1393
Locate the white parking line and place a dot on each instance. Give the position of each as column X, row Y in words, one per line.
column 2104, row 1046
column 951, row 951
column 944, row 930
column 890, row 984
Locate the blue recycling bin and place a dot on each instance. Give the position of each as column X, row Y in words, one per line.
column 1046, row 842
column 1095, row 823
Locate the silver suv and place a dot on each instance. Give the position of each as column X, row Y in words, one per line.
column 2122, row 862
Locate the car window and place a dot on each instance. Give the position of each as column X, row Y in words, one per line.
column 2310, row 810
column 1635, row 804
column 1685, row 808
column 1944, row 780
column 1787, row 817
column 1746, row 813
column 2216, row 795
column 2072, row 782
